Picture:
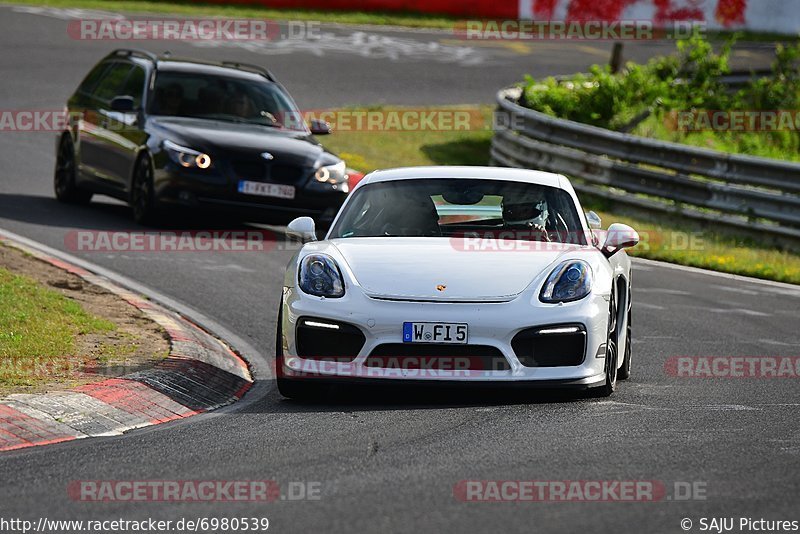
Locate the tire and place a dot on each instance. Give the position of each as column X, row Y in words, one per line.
column 607, row 389
column 625, row 370
column 142, row 200
column 64, row 175
column 292, row 388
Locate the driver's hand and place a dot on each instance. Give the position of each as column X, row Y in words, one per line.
column 542, row 230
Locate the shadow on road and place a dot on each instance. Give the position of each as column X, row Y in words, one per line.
column 106, row 214
column 371, row 399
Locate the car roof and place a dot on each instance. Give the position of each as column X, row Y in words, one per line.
column 165, row 62
column 182, row 65
column 468, row 172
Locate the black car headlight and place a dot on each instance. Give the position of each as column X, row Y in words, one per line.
column 332, row 174
column 572, row 280
column 320, row 276
column 187, row 157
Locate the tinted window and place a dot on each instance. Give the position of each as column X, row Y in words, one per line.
column 112, row 82
column 134, row 85
column 221, row 98
column 88, row 84
column 453, row 207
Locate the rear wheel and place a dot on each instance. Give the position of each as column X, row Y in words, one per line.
column 64, row 176
column 611, row 354
column 142, row 193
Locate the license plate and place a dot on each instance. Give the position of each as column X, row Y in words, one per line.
column 456, row 333
column 266, row 190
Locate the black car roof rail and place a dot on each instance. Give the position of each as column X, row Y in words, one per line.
column 254, row 68
column 135, row 52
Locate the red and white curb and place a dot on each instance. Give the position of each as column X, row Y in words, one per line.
column 200, row 374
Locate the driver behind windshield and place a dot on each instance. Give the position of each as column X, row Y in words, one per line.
column 527, row 214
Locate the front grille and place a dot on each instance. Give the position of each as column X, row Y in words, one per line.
column 551, row 346
column 260, row 170
column 437, row 357
column 247, row 169
column 286, row 174
column 321, row 339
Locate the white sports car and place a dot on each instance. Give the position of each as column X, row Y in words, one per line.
column 438, row 275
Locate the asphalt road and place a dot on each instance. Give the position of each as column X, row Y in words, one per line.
column 389, row 463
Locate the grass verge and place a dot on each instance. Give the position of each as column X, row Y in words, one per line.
column 38, row 330
column 687, row 244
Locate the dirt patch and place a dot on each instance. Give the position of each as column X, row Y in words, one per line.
column 136, row 343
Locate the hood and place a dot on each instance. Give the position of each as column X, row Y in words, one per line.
column 230, row 137
column 412, row 268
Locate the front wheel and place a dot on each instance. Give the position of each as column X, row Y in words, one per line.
column 625, row 370
column 64, row 176
column 142, row 193
column 611, row 354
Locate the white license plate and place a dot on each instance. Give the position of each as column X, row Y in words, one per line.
column 266, row 190
column 456, row 333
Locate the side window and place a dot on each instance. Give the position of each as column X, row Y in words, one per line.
column 112, row 82
column 90, row 82
column 134, row 86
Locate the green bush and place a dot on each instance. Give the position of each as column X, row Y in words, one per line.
column 644, row 98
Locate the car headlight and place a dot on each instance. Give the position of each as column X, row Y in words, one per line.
column 572, row 280
column 332, row 174
column 187, row 157
column 320, row 276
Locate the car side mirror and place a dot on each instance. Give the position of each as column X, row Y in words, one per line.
column 319, row 127
column 594, row 220
column 619, row 236
column 123, row 104
column 302, row 228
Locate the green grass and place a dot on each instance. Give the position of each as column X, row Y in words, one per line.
column 415, row 20
column 370, row 150
column 38, row 330
column 783, row 145
column 663, row 238
column 692, row 245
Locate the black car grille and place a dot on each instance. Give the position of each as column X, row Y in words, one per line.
column 250, row 169
column 321, row 339
column 286, row 174
column 259, row 169
column 551, row 346
column 437, row 357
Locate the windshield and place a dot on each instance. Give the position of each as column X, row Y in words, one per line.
column 459, row 207
column 181, row 94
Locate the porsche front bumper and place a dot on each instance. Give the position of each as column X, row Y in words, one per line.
column 492, row 326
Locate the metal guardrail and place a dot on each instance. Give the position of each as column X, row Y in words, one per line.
column 755, row 195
